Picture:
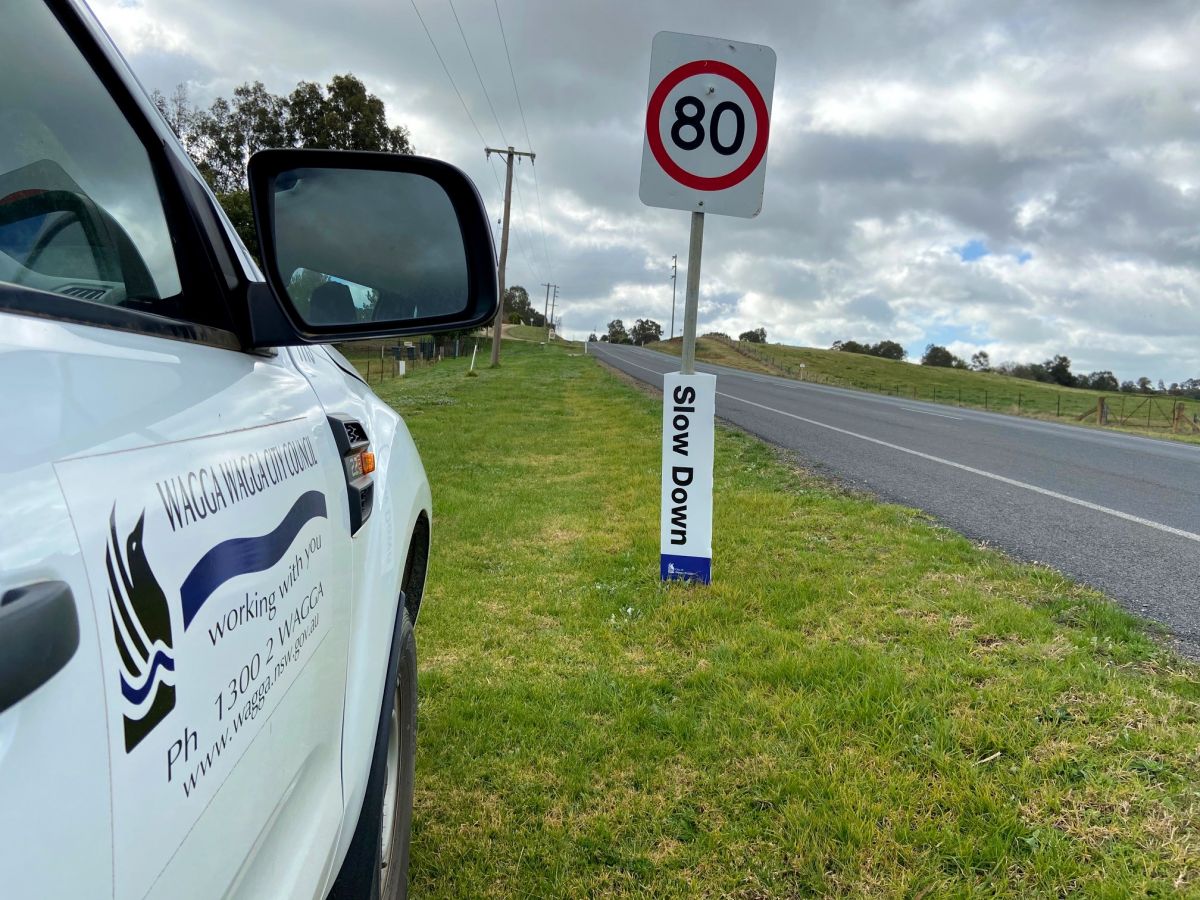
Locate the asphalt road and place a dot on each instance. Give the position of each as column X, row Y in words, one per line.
column 1115, row 511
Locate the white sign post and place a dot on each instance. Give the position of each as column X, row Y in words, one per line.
column 685, row 540
column 708, row 118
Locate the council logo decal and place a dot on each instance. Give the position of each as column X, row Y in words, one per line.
column 142, row 627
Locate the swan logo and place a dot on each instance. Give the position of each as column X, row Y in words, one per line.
column 142, row 627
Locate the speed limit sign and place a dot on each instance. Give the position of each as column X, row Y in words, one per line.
column 707, row 121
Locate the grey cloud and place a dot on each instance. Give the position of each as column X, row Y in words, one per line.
column 871, row 308
column 1068, row 130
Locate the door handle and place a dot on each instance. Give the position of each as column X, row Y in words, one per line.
column 39, row 633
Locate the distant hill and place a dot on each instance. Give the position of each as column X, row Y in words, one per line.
column 957, row 387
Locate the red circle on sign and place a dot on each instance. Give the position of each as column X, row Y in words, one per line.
column 762, row 125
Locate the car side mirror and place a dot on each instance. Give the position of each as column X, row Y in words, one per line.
column 361, row 245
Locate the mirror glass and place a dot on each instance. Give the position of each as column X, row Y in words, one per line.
column 356, row 246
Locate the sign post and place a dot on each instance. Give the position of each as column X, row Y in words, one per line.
column 707, row 122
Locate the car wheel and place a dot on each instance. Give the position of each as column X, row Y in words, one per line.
column 376, row 864
column 395, row 827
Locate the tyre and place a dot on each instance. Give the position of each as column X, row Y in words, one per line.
column 395, row 825
column 376, row 864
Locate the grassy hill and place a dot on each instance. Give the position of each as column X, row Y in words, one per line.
column 957, row 387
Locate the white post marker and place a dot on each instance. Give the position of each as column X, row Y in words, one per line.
column 685, row 539
column 708, row 117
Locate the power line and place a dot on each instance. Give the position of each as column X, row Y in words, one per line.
column 457, row 92
column 524, row 124
column 445, row 69
column 495, row 177
column 524, row 215
column 487, row 96
column 503, row 136
column 512, row 75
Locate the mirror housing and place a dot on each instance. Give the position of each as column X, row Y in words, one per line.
column 359, row 245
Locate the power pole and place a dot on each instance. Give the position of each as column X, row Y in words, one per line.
column 674, row 275
column 508, row 163
column 553, row 303
column 546, row 310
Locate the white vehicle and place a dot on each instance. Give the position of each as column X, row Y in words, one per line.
column 213, row 536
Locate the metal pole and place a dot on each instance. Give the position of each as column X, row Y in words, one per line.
column 546, row 310
column 691, row 300
column 674, row 281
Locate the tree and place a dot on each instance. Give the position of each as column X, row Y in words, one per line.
column 1145, row 385
column 349, row 117
column 645, row 331
column 343, row 115
column 591, row 337
column 888, row 350
column 936, row 355
column 181, row 114
column 1099, row 381
column 851, row 347
column 757, row 336
column 220, row 153
column 237, row 206
column 616, row 333
column 1028, row 371
column 516, row 303
column 981, row 362
column 1059, row 371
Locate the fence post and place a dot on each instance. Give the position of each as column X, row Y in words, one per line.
column 1020, row 400
column 1058, row 411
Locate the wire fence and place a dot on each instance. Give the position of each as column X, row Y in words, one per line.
column 382, row 360
column 1147, row 412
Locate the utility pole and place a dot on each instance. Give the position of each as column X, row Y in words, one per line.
column 674, row 276
column 553, row 303
column 546, row 310
column 508, row 160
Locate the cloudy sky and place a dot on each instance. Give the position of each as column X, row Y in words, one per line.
column 1017, row 177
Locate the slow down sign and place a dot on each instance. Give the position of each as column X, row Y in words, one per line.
column 687, row 472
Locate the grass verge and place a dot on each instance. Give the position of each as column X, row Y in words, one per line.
column 862, row 704
column 1142, row 414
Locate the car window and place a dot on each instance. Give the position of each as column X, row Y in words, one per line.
column 80, row 211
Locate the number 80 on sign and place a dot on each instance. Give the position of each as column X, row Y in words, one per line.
column 707, row 125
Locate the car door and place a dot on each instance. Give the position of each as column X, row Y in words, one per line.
column 191, row 497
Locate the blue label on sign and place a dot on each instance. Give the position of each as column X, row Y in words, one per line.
column 685, row 568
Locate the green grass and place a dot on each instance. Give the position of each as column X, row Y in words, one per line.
column 524, row 333
column 535, row 334
column 862, row 704
column 955, row 387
